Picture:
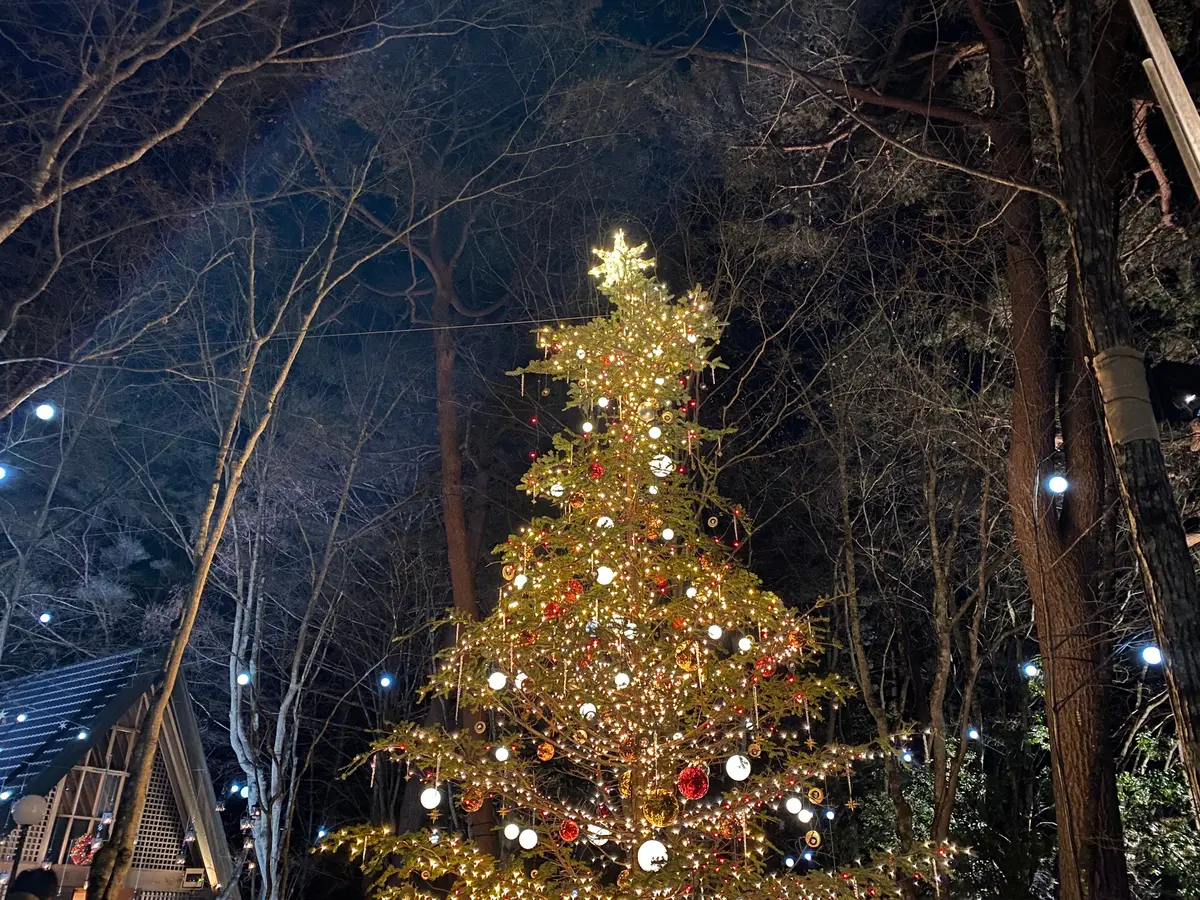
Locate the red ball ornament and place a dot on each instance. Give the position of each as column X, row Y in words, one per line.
column 596, row 471
column 766, row 666
column 573, row 590
column 569, row 830
column 693, row 782
column 552, row 610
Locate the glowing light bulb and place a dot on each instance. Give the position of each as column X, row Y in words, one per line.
column 808, row 856
column 511, row 830
column 1031, row 670
column 1057, row 484
column 520, row 581
column 44, row 411
column 789, row 861
column 497, row 681
column 805, row 816
column 431, row 798
column 243, row 678
column 588, row 711
column 655, row 433
column 605, row 575
column 602, row 403
column 1152, row 656
column 651, row 855
column 793, row 805
column 907, row 756
column 622, row 680
column 737, row 767
column 45, row 618
column 528, row 839
column 385, row 681
column 715, row 632
column 668, row 534
column 3, row 473
column 973, row 734
column 691, row 591
column 604, row 522
column 21, row 717
column 653, row 489
column 501, row 753
column 744, row 643
column 244, row 793
column 587, row 427
column 829, row 814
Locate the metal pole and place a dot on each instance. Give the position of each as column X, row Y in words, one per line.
column 12, row 876
column 1171, row 90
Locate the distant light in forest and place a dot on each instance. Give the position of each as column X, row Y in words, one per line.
column 1057, row 484
column 1031, row 670
column 45, row 411
column 385, row 681
column 1151, row 655
column 973, row 734
column 45, row 618
column 243, row 678
column 3, row 473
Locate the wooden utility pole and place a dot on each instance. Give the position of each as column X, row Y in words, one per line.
column 1171, row 91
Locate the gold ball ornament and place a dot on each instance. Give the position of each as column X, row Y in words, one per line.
column 625, row 784
column 686, row 657
column 509, row 571
column 661, row 807
column 754, row 751
column 813, row 839
column 480, row 726
column 713, row 521
column 623, row 879
column 668, row 416
column 545, row 751
column 816, row 795
column 472, row 799
column 576, row 500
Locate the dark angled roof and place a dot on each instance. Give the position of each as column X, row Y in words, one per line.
column 42, row 717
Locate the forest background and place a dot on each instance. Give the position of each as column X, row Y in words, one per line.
column 269, row 261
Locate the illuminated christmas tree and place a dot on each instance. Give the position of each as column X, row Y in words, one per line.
column 645, row 705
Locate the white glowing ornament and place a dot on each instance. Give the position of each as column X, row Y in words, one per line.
column 1152, row 656
column 588, row 711
column 557, row 490
column 661, row 466
column 44, row 411
column 691, row 591
column 519, row 681
column 431, row 798
column 668, row 534
column 497, row 681
column 602, row 403
column 243, row 678
column 715, row 632
column 581, row 353
column 1057, row 484
column 528, row 839
column 597, row 835
column 805, row 816
column 651, row 855
column 744, row 643
column 793, row 805
column 511, row 830
column 587, row 427
column 737, row 767
column 655, row 433
column 520, row 581
column 653, row 489
column 622, row 680
column 605, row 575
column 501, row 753
column 604, row 522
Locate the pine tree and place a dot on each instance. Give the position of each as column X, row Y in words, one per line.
column 646, row 706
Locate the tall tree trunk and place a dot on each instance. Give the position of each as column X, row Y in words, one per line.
column 1057, row 545
column 1167, row 570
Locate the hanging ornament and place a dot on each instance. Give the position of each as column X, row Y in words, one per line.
column 651, row 856
column 668, row 416
column 737, row 767
column 509, row 571
column 528, row 638
column 816, row 796
column 647, row 410
column 480, row 726
column 552, row 610
column 766, row 666
column 713, row 521
column 625, row 784
column 813, row 839
column 595, row 470
column 569, row 830
column 472, row 799
column 545, row 751
column 528, row 838
column 431, row 798
column 686, row 656
column 576, row 500
column 693, row 782
column 661, row 466
column 573, row 590
column 754, row 751
column 660, row 808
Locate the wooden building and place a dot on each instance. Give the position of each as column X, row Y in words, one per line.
column 67, row 735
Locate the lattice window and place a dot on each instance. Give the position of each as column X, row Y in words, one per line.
column 160, row 837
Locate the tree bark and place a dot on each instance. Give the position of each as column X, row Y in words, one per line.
column 1058, row 545
column 1167, row 569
